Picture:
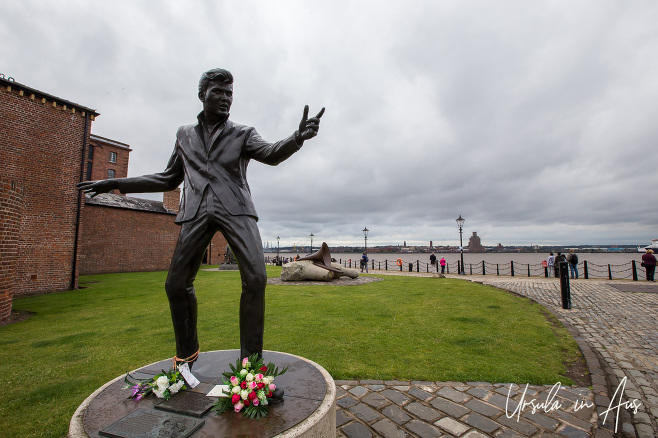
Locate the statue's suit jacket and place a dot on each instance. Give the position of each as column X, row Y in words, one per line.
column 221, row 166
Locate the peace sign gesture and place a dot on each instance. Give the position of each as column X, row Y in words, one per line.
column 308, row 128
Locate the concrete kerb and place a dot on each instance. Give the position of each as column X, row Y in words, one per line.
column 76, row 427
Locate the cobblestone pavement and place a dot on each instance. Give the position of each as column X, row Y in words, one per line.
column 617, row 333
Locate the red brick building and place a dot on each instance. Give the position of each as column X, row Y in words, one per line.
column 48, row 234
column 43, row 140
column 106, row 159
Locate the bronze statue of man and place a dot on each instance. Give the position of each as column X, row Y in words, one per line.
column 211, row 159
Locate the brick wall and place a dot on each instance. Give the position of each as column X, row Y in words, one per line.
column 41, row 144
column 125, row 240
column 171, row 200
column 11, row 210
column 216, row 250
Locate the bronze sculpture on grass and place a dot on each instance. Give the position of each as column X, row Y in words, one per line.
column 211, row 159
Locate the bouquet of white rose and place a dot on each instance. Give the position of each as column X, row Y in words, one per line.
column 163, row 385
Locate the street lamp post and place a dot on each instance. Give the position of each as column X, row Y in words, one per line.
column 311, row 236
column 365, row 239
column 277, row 249
column 460, row 223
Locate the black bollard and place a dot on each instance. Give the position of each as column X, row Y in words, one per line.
column 411, row 267
column 564, row 285
column 585, row 271
column 484, row 271
column 512, row 267
column 634, row 270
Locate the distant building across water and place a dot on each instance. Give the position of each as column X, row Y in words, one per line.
column 474, row 243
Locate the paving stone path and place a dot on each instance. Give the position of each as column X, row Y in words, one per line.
column 617, row 332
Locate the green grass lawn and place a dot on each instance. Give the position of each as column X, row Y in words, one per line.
column 401, row 328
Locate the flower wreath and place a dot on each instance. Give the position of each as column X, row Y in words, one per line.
column 250, row 387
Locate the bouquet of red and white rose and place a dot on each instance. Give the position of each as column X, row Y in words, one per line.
column 251, row 386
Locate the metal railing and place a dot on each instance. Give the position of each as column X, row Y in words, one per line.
column 586, row 270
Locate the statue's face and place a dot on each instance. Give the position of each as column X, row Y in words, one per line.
column 217, row 99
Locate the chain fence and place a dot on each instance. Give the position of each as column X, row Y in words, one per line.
column 586, row 270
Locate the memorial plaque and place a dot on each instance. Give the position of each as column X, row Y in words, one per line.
column 187, row 403
column 148, row 423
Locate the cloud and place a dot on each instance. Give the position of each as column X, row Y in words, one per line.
column 535, row 121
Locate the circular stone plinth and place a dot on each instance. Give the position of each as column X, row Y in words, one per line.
column 308, row 409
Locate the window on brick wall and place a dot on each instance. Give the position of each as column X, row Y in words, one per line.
column 111, row 173
column 113, row 157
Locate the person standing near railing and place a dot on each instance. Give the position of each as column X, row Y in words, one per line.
column 572, row 258
column 649, row 263
column 442, row 262
column 558, row 259
column 550, row 264
column 364, row 262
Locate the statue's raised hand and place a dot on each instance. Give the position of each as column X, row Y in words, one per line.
column 97, row 187
column 308, row 128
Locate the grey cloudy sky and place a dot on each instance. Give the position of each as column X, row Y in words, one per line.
column 536, row 121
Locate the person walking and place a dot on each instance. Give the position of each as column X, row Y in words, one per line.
column 550, row 263
column 649, row 263
column 364, row 262
column 572, row 258
column 442, row 262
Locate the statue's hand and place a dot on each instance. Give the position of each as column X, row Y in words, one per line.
column 308, row 128
column 97, row 187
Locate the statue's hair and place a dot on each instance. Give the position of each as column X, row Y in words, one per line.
column 216, row 74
